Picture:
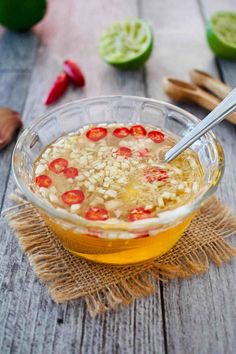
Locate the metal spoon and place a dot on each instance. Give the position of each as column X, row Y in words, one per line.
column 213, row 118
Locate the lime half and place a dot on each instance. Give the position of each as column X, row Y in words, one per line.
column 221, row 34
column 126, row 44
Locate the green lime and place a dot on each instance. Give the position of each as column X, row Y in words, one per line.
column 21, row 15
column 221, row 34
column 126, row 44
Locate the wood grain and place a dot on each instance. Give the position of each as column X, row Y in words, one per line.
column 195, row 315
column 18, row 50
column 31, row 322
column 13, row 90
column 199, row 312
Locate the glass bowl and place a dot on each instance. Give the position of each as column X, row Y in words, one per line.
column 109, row 241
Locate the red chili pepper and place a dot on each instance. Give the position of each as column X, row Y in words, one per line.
column 71, row 172
column 58, row 165
column 74, row 72
column 96, row 214
column 156, row 136
column 58, row 88
column 138, row 131
column 139, row 214
column 121, row 132
column 74, row 196
column 143, row 152
column 43, row 181
column 96, row 134
column 155, row 174
column 124, row 151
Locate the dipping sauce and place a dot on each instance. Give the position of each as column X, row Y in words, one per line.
column 116, row 172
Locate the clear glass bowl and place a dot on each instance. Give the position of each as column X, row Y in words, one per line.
column 118, row 243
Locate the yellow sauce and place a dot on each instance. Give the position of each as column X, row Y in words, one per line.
column 118, row 252
column 119, row 186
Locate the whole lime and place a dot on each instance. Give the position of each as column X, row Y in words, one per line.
column 21, row 15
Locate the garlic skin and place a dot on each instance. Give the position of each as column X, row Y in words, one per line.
column 10, row 122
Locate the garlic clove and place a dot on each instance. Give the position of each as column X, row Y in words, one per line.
column 10, row 122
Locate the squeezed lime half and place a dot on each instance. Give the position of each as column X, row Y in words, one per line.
column 126, row 44
column 221, row 34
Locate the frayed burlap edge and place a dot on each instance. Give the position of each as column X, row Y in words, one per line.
column 49, row 263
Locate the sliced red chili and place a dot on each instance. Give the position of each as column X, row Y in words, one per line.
column 142, row 236
column 95, row 236
column 74, row 196
column 74, row 72
column 155, row 174
column 156, row 136
column 143, row 152
column 138, row 131
column 58, row 88
column 138, row 214
column 96, row 134
column 43, row 181
column 58, row 165
column 71, row 172
column 96, row 214
column 124, row 151
column 121, row 132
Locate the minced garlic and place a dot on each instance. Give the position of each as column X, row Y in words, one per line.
column 116, row 175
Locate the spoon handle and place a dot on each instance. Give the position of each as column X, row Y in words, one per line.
column 213, row 118
column 209, row 82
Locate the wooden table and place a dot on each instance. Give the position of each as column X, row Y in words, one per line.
column 185, row 316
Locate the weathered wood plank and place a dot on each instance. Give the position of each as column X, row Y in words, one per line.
column 199, row 312
column 16, row 60
column 136, row 329
column 31, row 322
column 17, row 50
column 81, row 45
column 13, row 90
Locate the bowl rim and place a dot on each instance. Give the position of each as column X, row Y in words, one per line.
column 164, row 218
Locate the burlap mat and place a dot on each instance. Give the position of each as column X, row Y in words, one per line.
column 105, row 287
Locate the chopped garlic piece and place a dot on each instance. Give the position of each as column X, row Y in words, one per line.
column 40, row 169
column 111, row 193
column 44, row 191
column 181, row 187
column 91, row 188
column 74, row 208
column 160, row 202
column 118, row 213
column 53, row 189
column 113, row 204
column 150, row 206
column 53, row 198
column 80, row 178
column 101, row 190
